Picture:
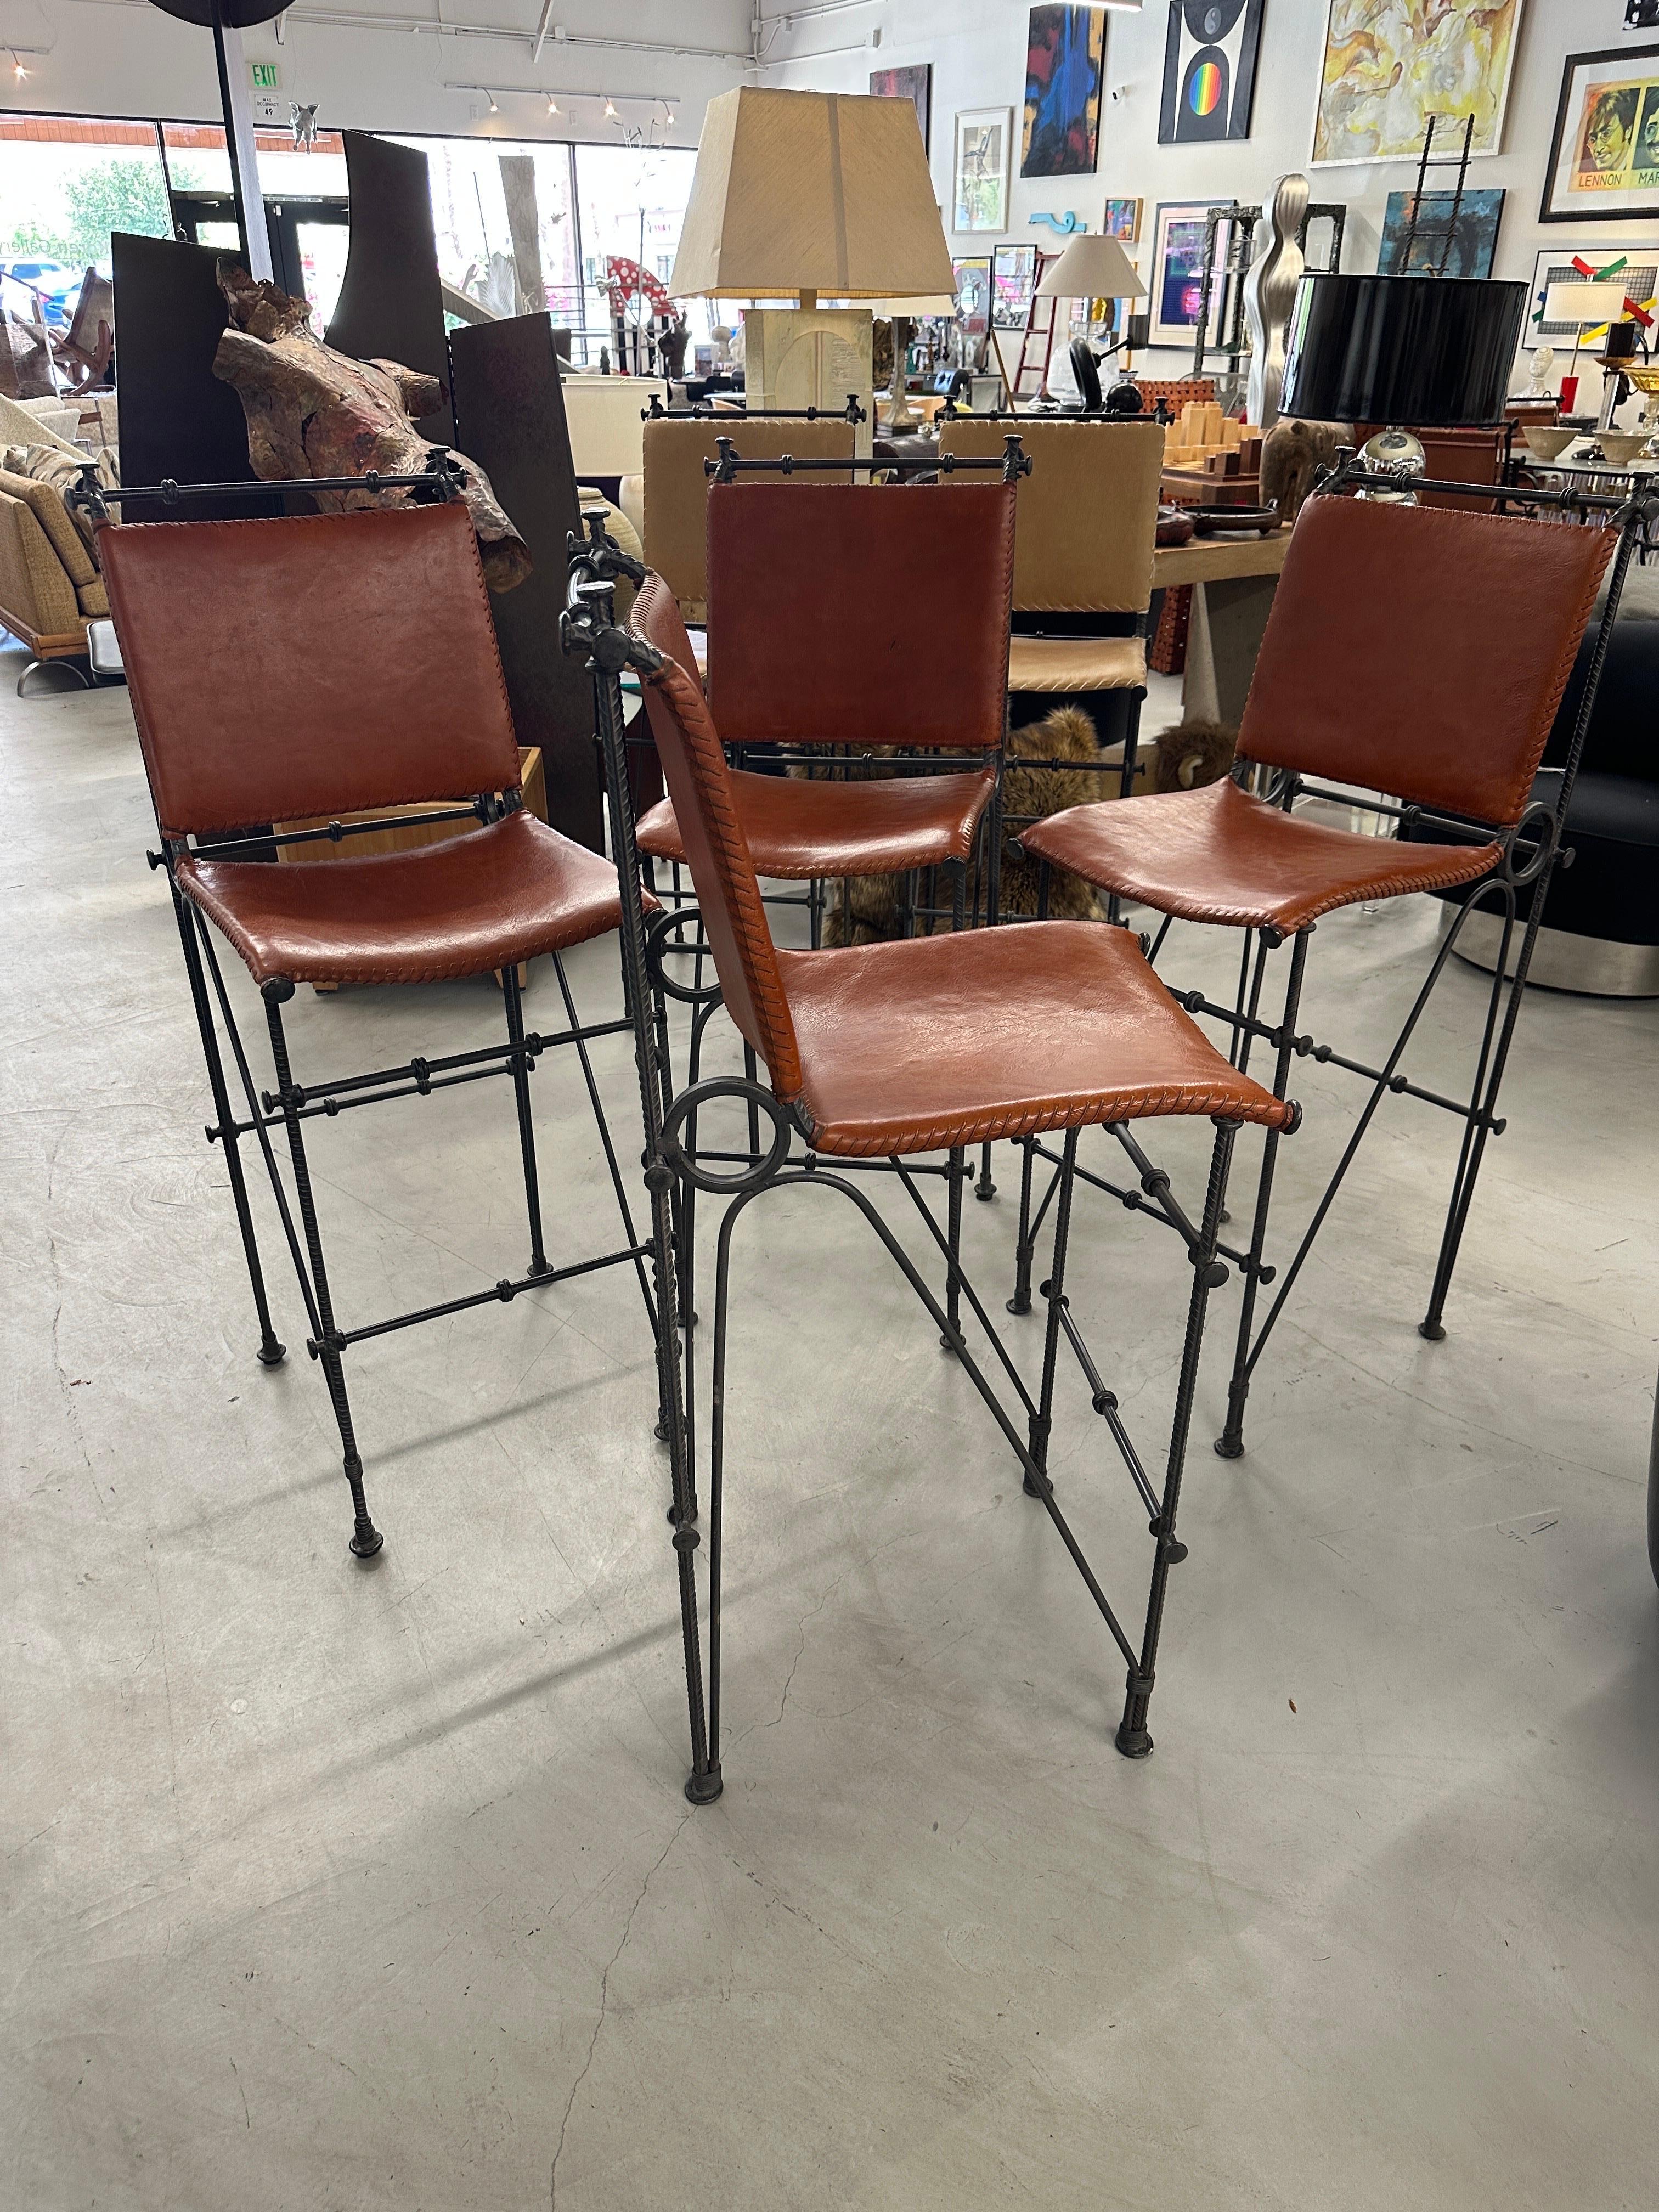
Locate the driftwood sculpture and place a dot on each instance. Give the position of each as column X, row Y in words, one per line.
column 314, row 412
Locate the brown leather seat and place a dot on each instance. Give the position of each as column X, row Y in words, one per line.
column 798, row 830
column 488, row 899
column 1217, row 855
column 927, row 1042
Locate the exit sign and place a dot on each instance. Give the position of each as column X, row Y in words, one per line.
column 266, row 76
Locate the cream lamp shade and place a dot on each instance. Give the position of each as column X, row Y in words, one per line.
column 1583, row 304
column 806, row 193
column 1092, row 267
column 938, row 303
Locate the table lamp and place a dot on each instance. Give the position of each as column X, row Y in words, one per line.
column 1431, row 350
column 1092, row 267
column 810, row 194
column 1582, row 303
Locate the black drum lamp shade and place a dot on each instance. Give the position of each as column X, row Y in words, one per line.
column 234, row 15
column 1434, row 351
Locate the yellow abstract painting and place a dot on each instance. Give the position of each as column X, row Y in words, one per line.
column 1390, row 64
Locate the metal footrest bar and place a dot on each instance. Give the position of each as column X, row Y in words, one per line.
column 419, row 1071
column 1105, row 1404
column 504, row 1292
column 1324, row 1055
column 1136, row 1203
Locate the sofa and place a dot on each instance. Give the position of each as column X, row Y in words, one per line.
column 50, row 586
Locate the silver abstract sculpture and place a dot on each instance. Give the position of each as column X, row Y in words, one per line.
column 1269, row 292
column 303, row 122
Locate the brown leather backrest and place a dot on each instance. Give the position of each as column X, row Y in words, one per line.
column 862, row 614
column 1087, row 518
column 728, row 897
column 676, row 488
column 312, row 665
column 1421, row 652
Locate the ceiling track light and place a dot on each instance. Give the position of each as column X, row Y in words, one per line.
column 491, row 97
column 610, row 109
column 552, row 105
column 17, row 68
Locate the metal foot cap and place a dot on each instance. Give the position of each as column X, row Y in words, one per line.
column 1230, row 1446
column 1134, row 1742
column 272, row 1354
column 366, row 1542
column 704, row 1789
column 1434, row 1330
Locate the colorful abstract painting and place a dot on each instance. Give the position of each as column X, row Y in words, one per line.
column 915, row 85
column 1123, row 219
column 1209, row 71
column 1389, row 65
column 1065, row 57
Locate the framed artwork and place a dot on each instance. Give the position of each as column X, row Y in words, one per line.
column 1469, row 251
column 1013, row 286
column 1387, row 68
column 915, row 85
column 1604, row 157
column 1122, row 221
column 984, row 138
column 1636, row 266
column 1178, row 232
column 1065, row 57
column 1209, row 71
column 973, row 296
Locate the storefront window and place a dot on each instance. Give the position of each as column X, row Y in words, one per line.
column 632, row 202
column 470, row 221
column 65, row 184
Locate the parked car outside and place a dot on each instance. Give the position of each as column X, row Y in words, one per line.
column 26, row 282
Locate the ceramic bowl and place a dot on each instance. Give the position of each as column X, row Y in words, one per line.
column 1621, row 446
column 1546, row 442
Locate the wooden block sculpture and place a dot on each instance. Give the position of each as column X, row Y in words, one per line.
column 314, row 412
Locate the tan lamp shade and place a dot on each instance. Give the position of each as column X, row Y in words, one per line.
column 811, row 192
column 1093, row 269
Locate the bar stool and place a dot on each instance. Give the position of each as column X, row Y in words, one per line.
column 1416, row 651
column 319, row 666
column 916, row 1045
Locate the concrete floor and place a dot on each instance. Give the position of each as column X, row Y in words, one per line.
column 328, row 1888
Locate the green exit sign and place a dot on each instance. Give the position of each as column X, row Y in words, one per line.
column 266, row 76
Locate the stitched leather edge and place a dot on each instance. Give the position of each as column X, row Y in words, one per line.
column 988, row 1127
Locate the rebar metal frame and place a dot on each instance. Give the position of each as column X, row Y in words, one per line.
column 291, row 1104
column 675, row 1163
column 1530, row 851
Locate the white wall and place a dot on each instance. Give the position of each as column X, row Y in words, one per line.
column 125, row 57
column 977, row 48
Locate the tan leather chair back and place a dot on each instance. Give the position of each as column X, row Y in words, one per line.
column 677, row 488
column 1086, row 520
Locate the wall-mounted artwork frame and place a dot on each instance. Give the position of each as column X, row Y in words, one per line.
column 1209, row 71
column 1380, row 80
column 1121, row 221
column 1582, row 264
column 1064, row 62
column 973, row 275
column 915, row 84
column 1473, row 235
column 984, row 149
column 1604, row 155
column 1178, row 237
column 1013, row 286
